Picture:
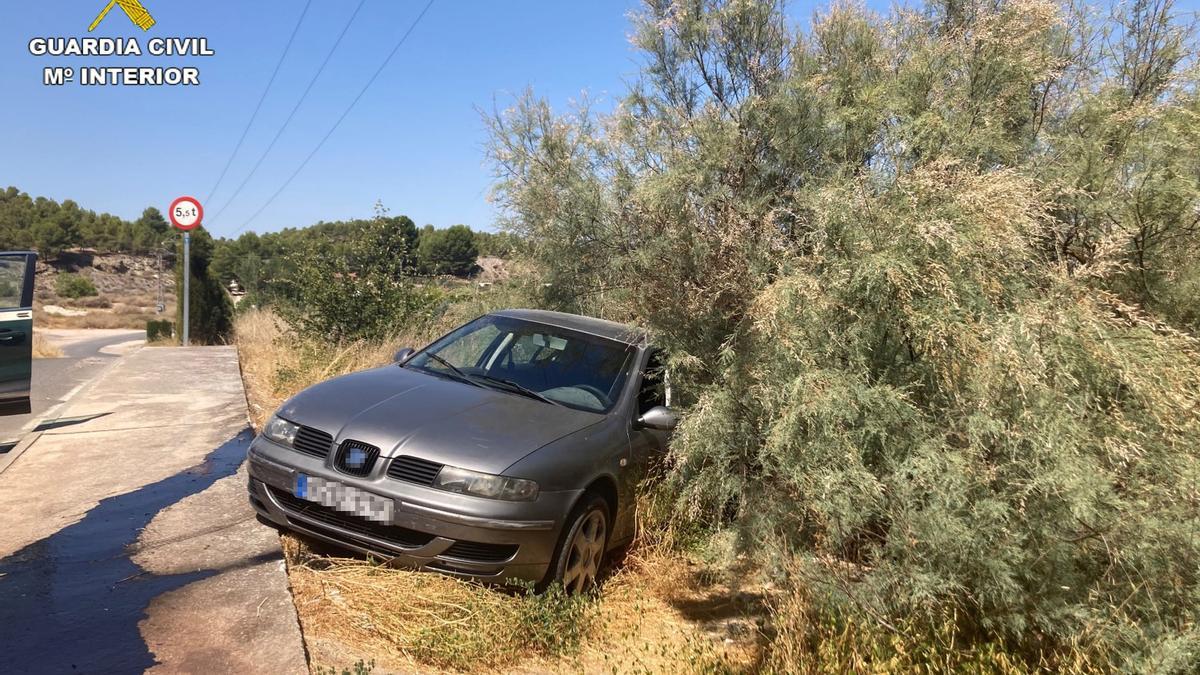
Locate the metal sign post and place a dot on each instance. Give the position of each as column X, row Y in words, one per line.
column 187, row 279
column 186, row 214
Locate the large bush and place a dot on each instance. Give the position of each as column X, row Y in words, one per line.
column 210, row 310
column 261, row 263
column 361, row 291
column 449, row 251
column 74, row 286
column 924, row 280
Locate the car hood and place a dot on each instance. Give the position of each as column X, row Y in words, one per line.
column 405, row 412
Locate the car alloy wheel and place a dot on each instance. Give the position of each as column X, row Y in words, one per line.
column 585, row 549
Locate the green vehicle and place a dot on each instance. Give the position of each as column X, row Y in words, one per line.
column 16, row 330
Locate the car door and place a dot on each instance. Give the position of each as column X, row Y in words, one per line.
column 16, row 331
column 649, row 445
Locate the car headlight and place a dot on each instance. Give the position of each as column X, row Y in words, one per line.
column 281, row 431
column 454, row 479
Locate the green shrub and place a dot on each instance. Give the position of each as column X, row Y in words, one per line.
column 554, row 623
column 360, row 667
column 210, row 310
column 74, row 286
column 359, row 293
column 159, row 330
column 917, row 313
column 449, row 251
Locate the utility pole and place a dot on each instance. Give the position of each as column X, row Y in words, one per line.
column 161, row 306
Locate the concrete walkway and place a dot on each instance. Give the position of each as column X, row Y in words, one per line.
column 86, row 353
column 126, row 541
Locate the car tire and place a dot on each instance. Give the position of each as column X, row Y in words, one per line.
column 580, row 552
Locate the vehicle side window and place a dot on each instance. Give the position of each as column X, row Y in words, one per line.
column 12, row 277
column 653, row 390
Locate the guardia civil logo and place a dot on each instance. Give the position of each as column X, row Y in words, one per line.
column 132, row 8
column 122, row 65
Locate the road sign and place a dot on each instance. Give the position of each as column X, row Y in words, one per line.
column 186, row 213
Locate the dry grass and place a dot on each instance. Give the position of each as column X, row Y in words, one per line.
column 656, row 613
column 275, row 365
column 44, row 348
column 96, row 320
column 408, row 619
column 143, row 299
column 110, row 310
column 95, row 302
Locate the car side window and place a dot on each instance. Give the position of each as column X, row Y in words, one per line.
column 653, row 391
column 12, row 276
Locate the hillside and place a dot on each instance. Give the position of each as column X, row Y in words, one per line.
column 126, row 285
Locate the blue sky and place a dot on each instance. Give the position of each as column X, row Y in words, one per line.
column 415, row 140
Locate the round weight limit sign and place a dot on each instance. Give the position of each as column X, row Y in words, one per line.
column 186, row 213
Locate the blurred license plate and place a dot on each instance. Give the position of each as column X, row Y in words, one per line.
column 344, row 498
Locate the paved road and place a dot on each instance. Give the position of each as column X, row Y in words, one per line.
column 127, row 543
column 55, row 379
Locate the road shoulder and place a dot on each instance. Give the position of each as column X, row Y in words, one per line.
column 241, row 619
column 134, row 507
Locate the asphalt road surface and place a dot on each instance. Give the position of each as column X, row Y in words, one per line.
column 55, row 379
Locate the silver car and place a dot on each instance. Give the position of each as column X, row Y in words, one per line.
column 510, row 449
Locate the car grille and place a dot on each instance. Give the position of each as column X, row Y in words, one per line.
column 371, row 452
column 400, row 536
column 313, row 442
column 414, row 470
column 480, row 552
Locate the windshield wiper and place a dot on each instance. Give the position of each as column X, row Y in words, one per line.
column 519, row 388
column 454, row 371
column 507, row 384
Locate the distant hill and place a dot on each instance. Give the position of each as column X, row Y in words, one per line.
column 127, row 290
column 50, row 228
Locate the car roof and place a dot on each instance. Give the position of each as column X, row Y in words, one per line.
column 584, row 324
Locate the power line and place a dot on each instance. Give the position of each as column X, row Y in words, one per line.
column 291, row 115
column 378, row 72
column 258, row 107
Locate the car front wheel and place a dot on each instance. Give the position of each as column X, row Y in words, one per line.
column 582, row 548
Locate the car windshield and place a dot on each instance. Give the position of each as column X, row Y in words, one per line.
column 555, row 365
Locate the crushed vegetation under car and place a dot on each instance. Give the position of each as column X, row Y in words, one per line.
column 508, row 450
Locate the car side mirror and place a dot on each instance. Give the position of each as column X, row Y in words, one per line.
column 404, row 354
column 659, row 417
